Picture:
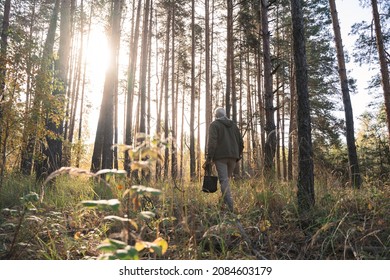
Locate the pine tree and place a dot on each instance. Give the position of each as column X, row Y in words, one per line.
column 305, row 163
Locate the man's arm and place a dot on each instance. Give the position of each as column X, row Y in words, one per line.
column 212, row 143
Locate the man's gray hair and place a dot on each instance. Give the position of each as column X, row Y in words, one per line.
column 220, row 112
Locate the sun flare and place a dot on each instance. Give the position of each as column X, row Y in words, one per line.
column 97, row 56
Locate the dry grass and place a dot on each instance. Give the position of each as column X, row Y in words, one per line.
column 345, row 223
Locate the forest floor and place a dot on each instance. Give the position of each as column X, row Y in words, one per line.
column 169, row 220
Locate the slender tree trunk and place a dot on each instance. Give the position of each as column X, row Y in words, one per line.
column 174, row 102
column 193, row 84
column 54, row 149
column 3, row 50
column 383, row 61
column 197, row 145
column 165, row 89
column 229, row 57
column 70, row 92
column 102, row 157
column 143, row 64
column 130, row 84
column 284, row 159
column 249, row 116
column 182, row 134
column 3, row 73
column 261, row 112
column 148, row 131
column 354, row 173
column 42, row 91
column 292, row 131
column 75, row 92
column 270, row 142
column 29, row 70
column 305, row 164
column 208, row 93
column 80, row 127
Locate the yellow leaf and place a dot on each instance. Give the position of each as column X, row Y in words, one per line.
column 77, row 235
column 369, row 206
column 140, row 165
column 139, row 246
column 133, row 223
column 161, row 243
column 264, row 225
column 152, row 153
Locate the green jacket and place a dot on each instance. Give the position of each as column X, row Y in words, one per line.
column 225, row 140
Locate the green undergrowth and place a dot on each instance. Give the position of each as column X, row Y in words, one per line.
column 176, row 220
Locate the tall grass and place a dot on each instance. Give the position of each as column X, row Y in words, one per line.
column 344, row 224
column 68, row 191
column 14, row 187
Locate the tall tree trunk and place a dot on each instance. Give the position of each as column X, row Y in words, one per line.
column 270, row 142
column 208, row 93
column 143, row 70
column 284, row 159
column 148, row 127
column 182, row 135
column 143, row 64
column 102, row 157
column 131, row 82
column 229, row 57
column 165, row 88
column 261, row 114
column 42, row 91
column 3, row 73
column 193, row 84
column 382, row 60
column 29, row 73
column 354, row 173
column 79, row 136
column 292, row 130
column 305, row 164
column 55, row 126
column 73, row 87
column 174, row 102
column 71, row 90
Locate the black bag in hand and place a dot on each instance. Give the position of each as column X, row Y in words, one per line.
column 209, row 182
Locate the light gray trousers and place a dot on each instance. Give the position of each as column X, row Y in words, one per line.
column 225, row 168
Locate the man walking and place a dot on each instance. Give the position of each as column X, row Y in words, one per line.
column 224, row 148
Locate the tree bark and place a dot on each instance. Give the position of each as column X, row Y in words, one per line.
column 270, row 128
column 102, row 157
column 229, row 58
column 305, row 162
column 133, row 49
column 353, row 168
column 208, row 93
column 193, row 85
column 54, row 144
column 143, row 64
column 3, row 73
column 173, row 103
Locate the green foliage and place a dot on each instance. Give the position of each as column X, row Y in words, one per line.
column 373, row 147
column 27, row 203
column 115, row 249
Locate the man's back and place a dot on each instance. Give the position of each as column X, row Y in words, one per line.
column 225, row 140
